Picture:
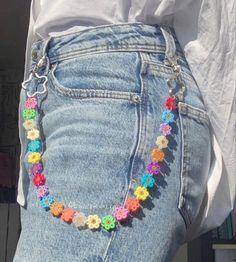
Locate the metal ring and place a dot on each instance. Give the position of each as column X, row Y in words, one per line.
column 39, row 77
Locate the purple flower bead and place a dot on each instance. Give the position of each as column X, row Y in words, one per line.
column 42, row 191
column 36, row 168
column 153, row 168
column 165, row 129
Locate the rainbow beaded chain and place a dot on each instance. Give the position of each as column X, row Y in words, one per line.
column 121, row 212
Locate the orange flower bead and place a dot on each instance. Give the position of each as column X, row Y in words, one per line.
column 157, row 154
column 56, row 208
column 132, row 204
column 67, row 214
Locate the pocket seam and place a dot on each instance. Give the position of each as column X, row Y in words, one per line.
column 167, row 70
column 194, row 112
column 91, row 93
column 182, row 191
column 201, row 116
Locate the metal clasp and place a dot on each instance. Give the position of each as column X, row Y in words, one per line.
column 34, row 73
column 176, row 76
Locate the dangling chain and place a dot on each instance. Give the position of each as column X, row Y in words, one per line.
column 132, row 203
column 178, row 77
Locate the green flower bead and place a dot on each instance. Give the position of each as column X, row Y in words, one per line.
column 108, row 222
column 29, row 113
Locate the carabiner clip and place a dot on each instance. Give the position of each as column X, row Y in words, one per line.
column 33, row 73
column 38, row 77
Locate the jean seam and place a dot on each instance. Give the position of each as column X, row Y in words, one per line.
column 136, row 150
column 181, row 199
column 105, row 48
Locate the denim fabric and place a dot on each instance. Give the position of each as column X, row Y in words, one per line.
column 99, row 118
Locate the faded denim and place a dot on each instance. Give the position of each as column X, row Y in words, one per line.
column 99, row 120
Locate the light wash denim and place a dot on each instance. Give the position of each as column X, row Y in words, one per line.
column 100, row 118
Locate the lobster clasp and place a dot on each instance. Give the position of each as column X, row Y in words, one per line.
column 34, row 73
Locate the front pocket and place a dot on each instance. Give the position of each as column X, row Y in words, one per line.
column 107, row 74
column 195, row 159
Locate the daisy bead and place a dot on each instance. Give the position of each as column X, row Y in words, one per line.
column 93, row 221
column 141, row 192
column 79, row 219
column 31, row 102
column 46, row 201
column 157, row 154
column 34, row 157
column 67, row 214
column 165, row 129
column 56, row 208
column 162, row 142
column 153, row 168
column 147, row 180
column 120, row 213
column 42, row 191
column 167, row 116
column 33, row 134
column 132, row 204
column 108, row 222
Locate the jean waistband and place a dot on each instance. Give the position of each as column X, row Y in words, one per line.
column 112, row 37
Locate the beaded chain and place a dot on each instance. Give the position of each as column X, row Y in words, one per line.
column 141, row 191
column 120, row 212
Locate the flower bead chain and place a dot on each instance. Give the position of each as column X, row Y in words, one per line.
column 121, row 212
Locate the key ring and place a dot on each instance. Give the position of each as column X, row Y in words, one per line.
column 33, row 73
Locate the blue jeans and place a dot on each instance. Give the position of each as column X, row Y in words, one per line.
column 99, row 118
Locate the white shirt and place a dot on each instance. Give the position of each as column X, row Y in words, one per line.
column 206, row 32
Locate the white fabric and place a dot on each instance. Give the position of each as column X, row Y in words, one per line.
column 206, row 31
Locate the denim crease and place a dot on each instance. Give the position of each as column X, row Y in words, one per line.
column 99, row 118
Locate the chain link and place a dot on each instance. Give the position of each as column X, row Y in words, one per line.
column 177, row 75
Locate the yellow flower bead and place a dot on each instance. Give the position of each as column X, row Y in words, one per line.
column 34, row 157
column 141, row 192
column 162, row 142
column 93, row 221
column 29, row 124
column 33, row 134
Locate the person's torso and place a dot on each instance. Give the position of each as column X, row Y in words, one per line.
column 74, row 15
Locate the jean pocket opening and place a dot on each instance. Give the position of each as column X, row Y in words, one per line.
column 195, row 159
column 107, row 75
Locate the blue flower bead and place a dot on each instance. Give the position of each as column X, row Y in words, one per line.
column 147, row 180
column 167, row 116
column 34, row 146
column 46, row 201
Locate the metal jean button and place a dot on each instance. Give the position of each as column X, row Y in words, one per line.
column 136, row 98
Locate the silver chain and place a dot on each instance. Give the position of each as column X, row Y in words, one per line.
column 178, row 77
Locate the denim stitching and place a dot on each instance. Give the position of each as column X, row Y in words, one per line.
column 136, row 150
column 88, row 93
column 181, row 201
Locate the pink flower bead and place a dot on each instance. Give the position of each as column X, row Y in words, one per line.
column 42, row 191
column 120, row 213
column 165, row 129
column 31, row 102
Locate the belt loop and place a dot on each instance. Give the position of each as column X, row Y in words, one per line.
column 44, row 59
column 170, row 44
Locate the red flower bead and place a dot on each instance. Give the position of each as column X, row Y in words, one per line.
column 132, row 204
column 170, row 103
column 39, row 179
column 67, row 214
